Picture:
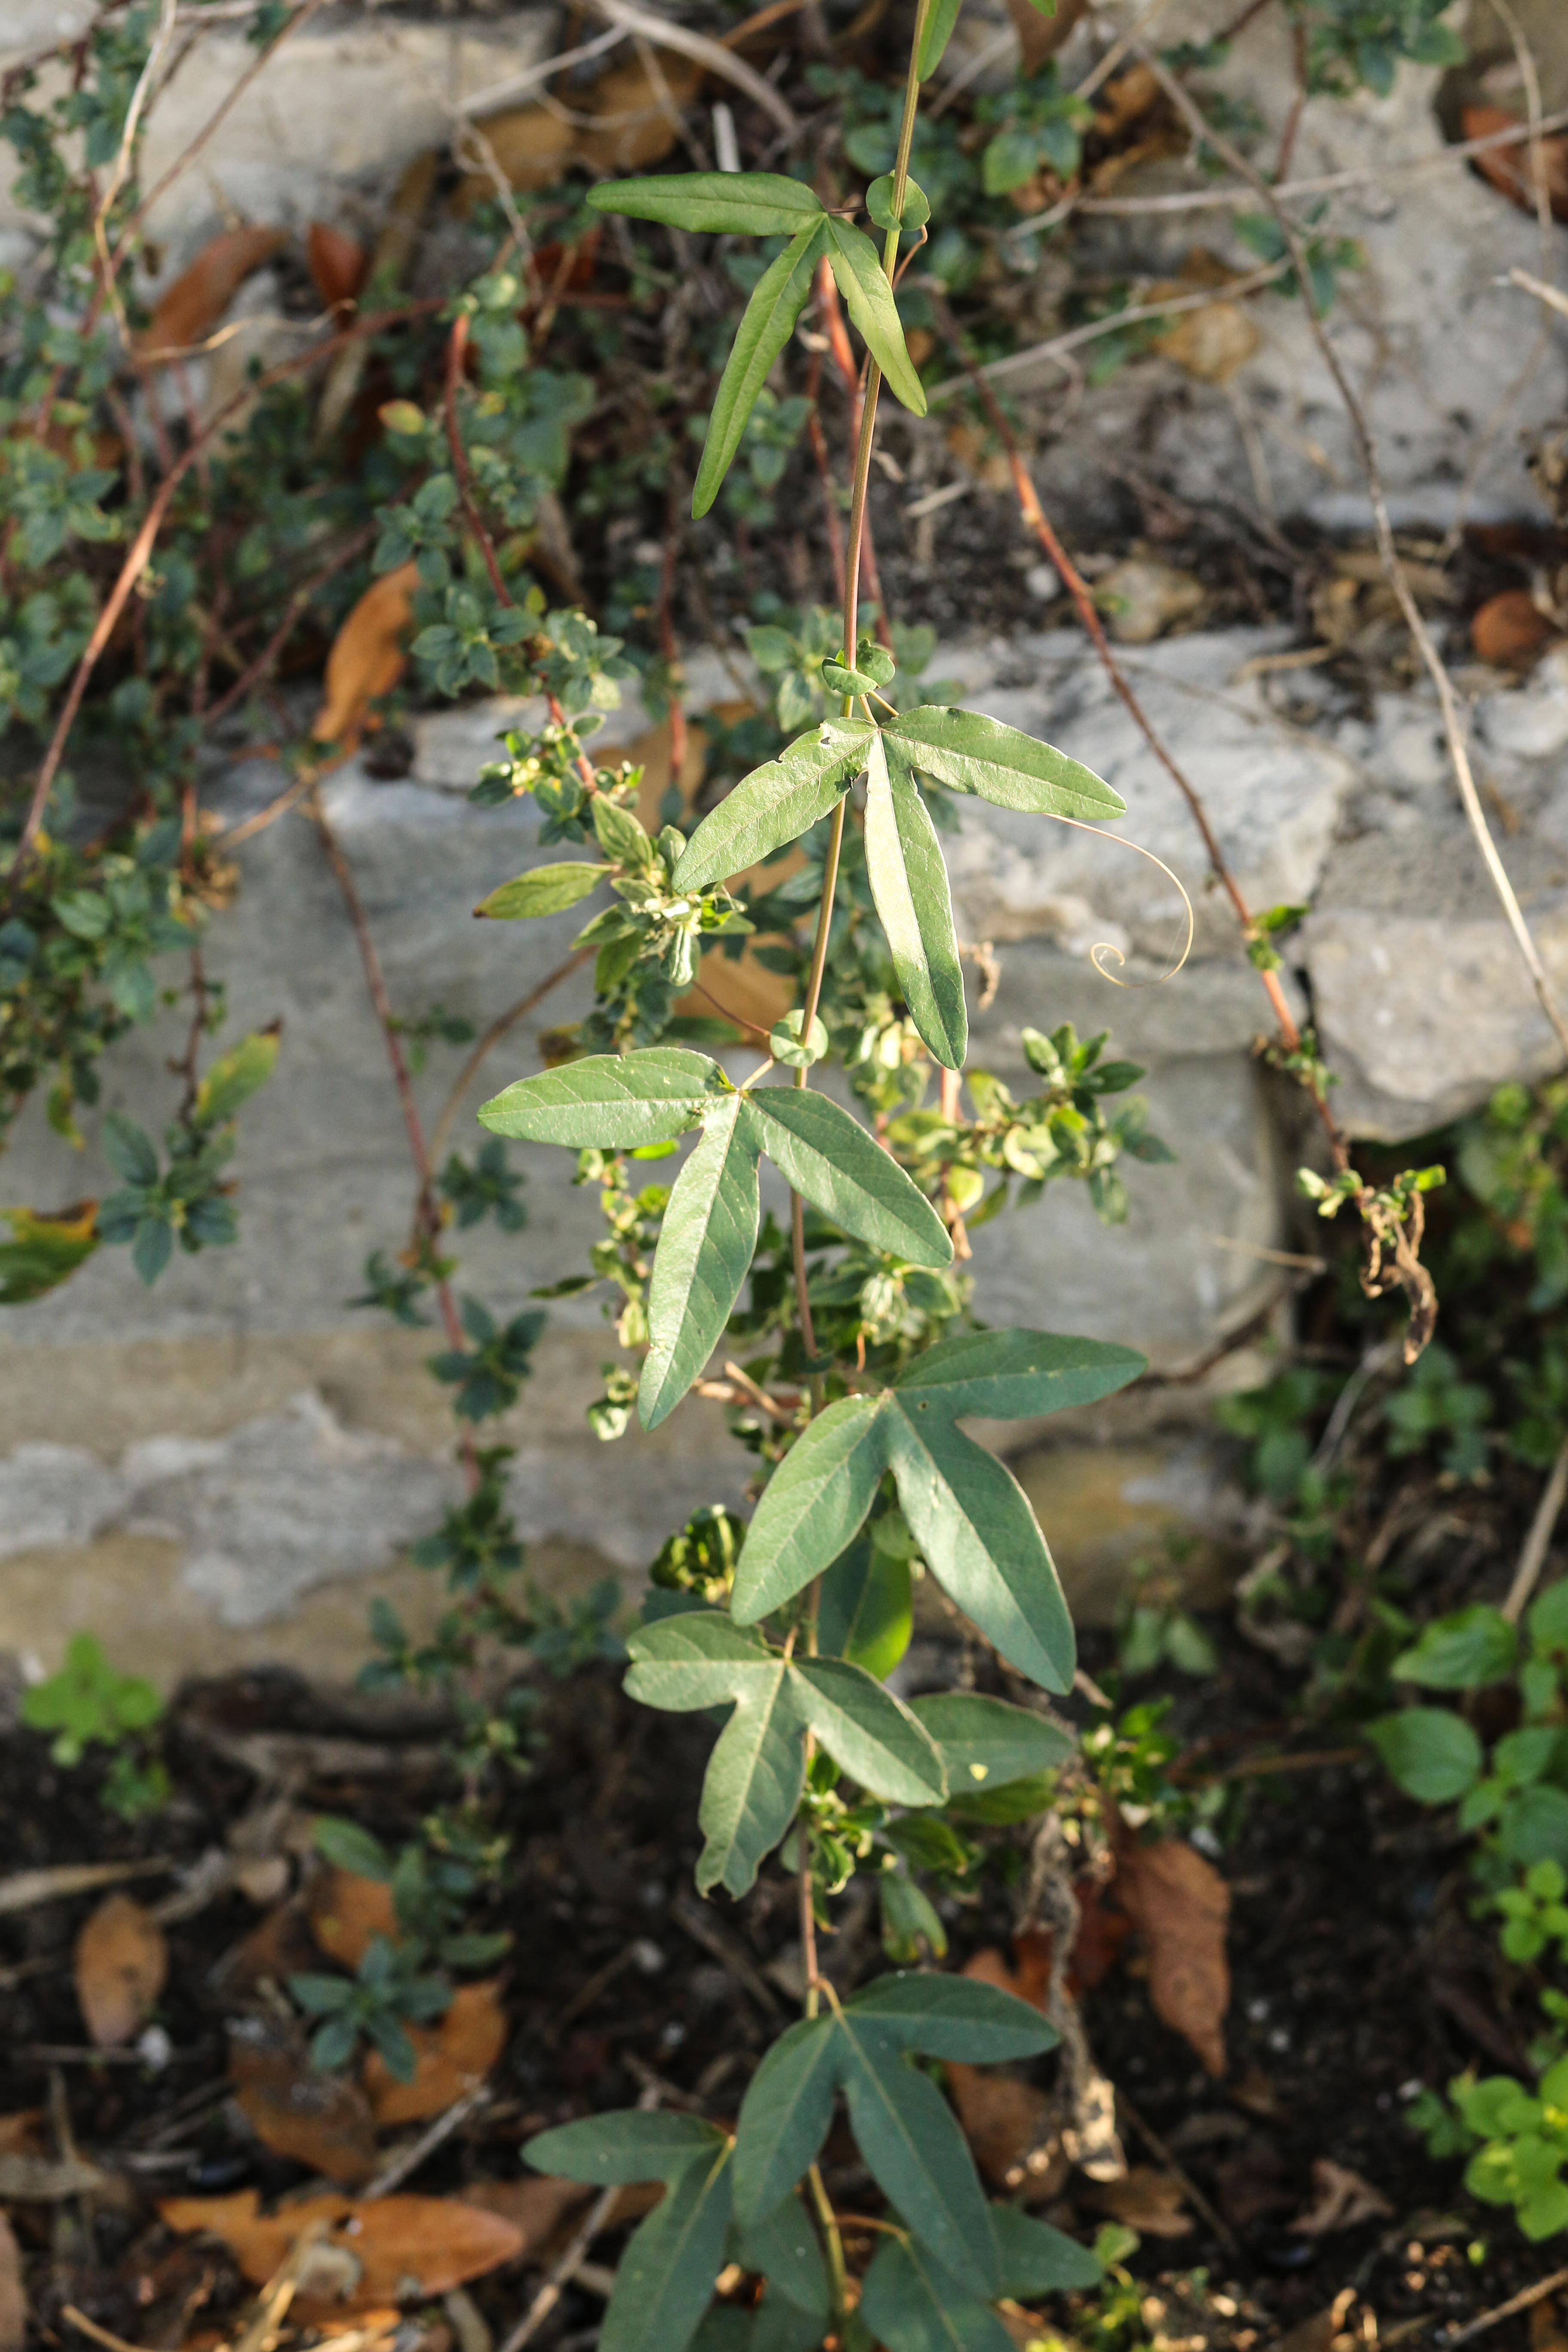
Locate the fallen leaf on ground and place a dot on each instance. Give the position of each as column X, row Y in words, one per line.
column 1180, row 1905
column 1008, row 2125
column 1547, row 2331
column 12, row 2298
column 1255, row 2092
column 633, row 122
column 406, row 2247
column 1512, row 170
column 121, row 1964
column 367, row 657
column 535, row 2206
column 319, row 2119
column 1313, row 2335
column 22, row 2134
column 1040, row 36
column 1341, row 2199
column 1509, row 630
column 1144, row 2201
column 452, row 2056
column 1250, row 2185
column 188, row 310
column 278, row 1946
column 347, row 1914
column 339, row 264
column 1213, row 343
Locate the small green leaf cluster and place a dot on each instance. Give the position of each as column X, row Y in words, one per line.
column 401, row 1980
column 1061, row 1131
column 489, row 1375
column 1154, row 1628
column 1038, row 124
column 1437, row 1401
column 947, row 2256
column 189, row 1199
column 88, row 1704
column 1517, row 2142
column 1361, row 43
column 1516, row 1792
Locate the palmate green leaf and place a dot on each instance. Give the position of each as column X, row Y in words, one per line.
column 910, row 2306
column 1039, row 2260
column 813, row 1505
column 543, row 890
column 866, row 1613
column 735, row 203
column 953, row 2017
column 626, row 2146
column 664, row 2282
column 970, row 1518
column 619, row 1100
column 910, row 2140
column 908, row 883
column 766, row 325
column 970, row 753
column 699, row 1658
column 986, row 1742
column 775, row 804
column 857, row 267
column 754, row 1776
column 705, row 1247
column 871, row 1735
column 1013, row 1375
column 827, row 1156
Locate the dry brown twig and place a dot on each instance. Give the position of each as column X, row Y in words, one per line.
column 572, row 2260
column 1394, row 570
column 1538, row 1542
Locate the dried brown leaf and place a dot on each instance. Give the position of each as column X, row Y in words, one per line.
column 1179, row 1906
column 13, row 2295
column 406, row 2247
column 366, row 659
column 121, row 1964
column 1341, row 2199
column 536, row 2205
column 1509, row 630
column 625, row 122
column 452, row 2056
column 1213, row 344
column 1145, row 2200
column 1512, row 170
column 339, row 264
column 347, row 1913
column 319, row 2119
column 1008, row 2125
column 188, row 310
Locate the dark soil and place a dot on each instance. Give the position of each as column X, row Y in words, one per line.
column 1357, row 1975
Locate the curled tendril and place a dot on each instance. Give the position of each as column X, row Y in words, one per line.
column 1104, row 947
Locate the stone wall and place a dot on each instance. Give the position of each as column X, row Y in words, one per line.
column 226, row 1465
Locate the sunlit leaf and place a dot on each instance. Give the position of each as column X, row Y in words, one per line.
column 908, row 883
column 775, row 804
column 738, row 203
column 705, row 1247
column 780, row 296
column 868, row 299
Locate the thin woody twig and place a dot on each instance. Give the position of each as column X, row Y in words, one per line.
column 1527, row 2298
column 407, row 2160
column 1394, row 570
column 139, row 554
column 1538, row 1542
column 498, row 1029
column 1327, row 183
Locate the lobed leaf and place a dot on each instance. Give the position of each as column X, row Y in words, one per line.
column 1013, row 1375
column 828, row 1157
column 865, row 1612
column 664, row 2282
column 907, row 2304
column 914, row 904
column 1039, row 2260
column 705, row 1248
column 626, row 2146
column 912, row 2143
column 953, row 2017
column 766, row 325
column 620, row 1100
column 734, row 204
column 812, row 1506
column 987, row 1742
column 785, row 2117
column 970, row 753
column 775, row 804
column 869, row 1733
column 785, row 2249
column 973, row 1522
